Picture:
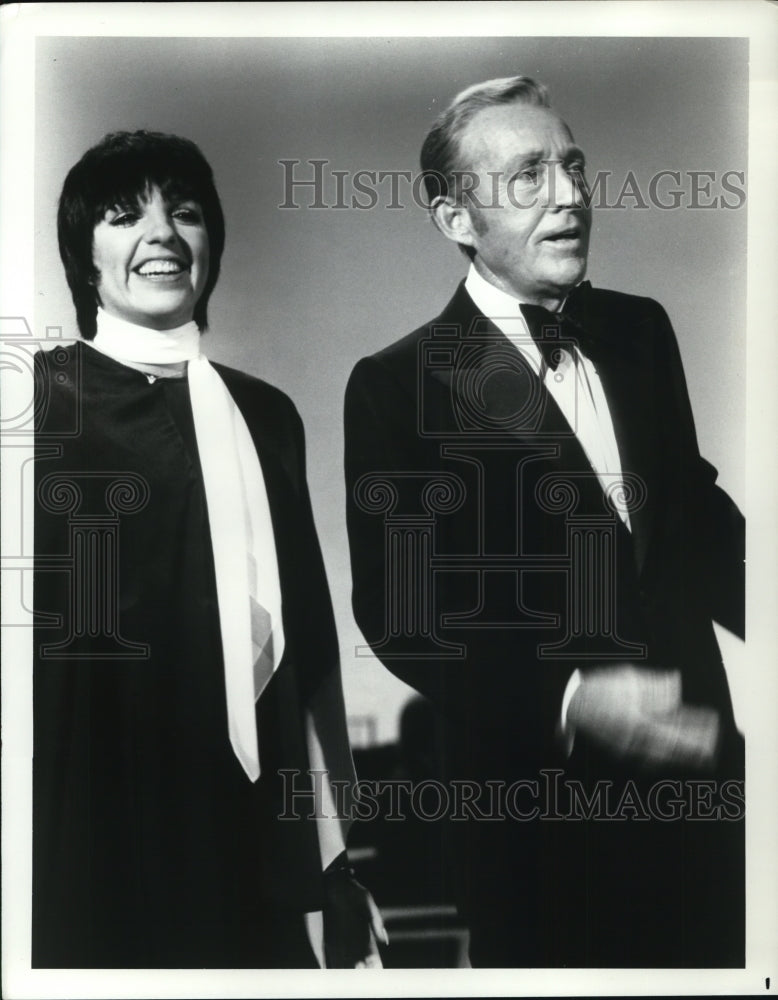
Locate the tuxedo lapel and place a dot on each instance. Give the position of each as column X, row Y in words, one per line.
column 490, row 389
column 625, row 366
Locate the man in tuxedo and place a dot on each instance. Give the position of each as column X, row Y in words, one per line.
column 538, row 546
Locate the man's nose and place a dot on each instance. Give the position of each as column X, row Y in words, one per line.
column 564, row 188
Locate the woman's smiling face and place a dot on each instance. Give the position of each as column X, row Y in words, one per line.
column 152, row 260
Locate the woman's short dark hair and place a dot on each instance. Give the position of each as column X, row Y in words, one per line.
column 118, row 171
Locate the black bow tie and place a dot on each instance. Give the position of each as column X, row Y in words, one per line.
column 555, row 332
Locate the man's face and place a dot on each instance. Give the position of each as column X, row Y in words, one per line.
column 535, row 244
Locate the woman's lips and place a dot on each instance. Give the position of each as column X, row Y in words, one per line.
column 161, row 268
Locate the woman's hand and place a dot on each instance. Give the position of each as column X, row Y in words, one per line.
column 352, row 923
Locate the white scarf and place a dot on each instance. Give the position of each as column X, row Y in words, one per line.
column 244, row 552
column 227, row 455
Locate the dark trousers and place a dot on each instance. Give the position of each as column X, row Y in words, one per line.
column 606, row 897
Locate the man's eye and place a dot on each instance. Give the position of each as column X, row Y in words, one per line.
column 576, row 169
column 529, row 174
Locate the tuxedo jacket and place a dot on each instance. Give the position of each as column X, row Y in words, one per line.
column 488, row 564
column 151, row 847
column 454, row 404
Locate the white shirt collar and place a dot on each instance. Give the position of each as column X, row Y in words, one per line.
column 503, row 310
column 491, row 301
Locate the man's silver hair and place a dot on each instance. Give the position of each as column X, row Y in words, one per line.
column 441, row 150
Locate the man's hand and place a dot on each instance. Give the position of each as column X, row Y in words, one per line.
column 352, row 923
column 638, row 714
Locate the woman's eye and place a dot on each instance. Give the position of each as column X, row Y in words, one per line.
column 123, row 219
column 188, row 214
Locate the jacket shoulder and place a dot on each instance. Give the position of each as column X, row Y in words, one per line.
column 406, row 348
column 270, row 414
column 607, row 299
column 394, row 367
column 257, row 393
column 234, row 377
column 402, row 355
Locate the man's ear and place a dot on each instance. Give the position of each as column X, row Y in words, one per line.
column 454, row 220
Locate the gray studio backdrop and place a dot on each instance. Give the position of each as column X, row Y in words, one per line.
column 305, row 292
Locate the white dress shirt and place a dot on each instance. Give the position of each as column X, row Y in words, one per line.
column 574, row 386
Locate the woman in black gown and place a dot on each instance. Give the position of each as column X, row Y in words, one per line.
column 159, row 480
